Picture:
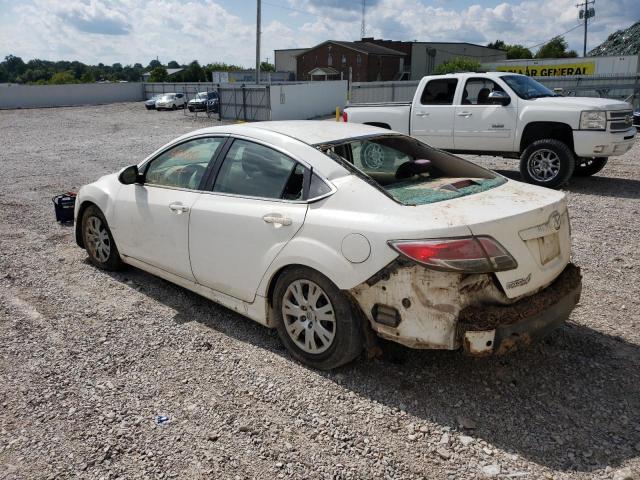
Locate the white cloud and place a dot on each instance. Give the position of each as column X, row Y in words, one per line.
column 129, row 31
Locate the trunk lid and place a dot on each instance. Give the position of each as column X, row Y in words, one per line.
column 531, row 222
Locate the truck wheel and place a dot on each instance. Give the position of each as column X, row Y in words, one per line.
column 315, row 320
column 585, row 167
column 547, row 163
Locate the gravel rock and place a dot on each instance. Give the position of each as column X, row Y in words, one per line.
column 491, row 471
column 89, row 358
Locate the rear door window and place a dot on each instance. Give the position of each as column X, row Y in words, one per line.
column 439, row 92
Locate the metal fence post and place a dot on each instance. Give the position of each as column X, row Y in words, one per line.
column 268, row 92
column 393, row 92
column 219, row 103
column 244, row 103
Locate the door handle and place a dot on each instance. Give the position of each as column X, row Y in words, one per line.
column 178, row 208
column 464, row 114
column 422, row 114
column 277, row 219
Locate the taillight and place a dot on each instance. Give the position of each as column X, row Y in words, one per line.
column 465, row 254
column 345, row 117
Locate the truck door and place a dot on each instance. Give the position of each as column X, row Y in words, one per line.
column 479, row 123
column 432, row 113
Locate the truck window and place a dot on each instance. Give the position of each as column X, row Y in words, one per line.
column 477, row 90
column 439, row 92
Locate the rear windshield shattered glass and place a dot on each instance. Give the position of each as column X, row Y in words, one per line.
column 411, row 172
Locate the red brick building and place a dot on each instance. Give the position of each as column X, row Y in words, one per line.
column 332, row 59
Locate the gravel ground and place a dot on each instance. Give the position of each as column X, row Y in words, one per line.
column 88, row 359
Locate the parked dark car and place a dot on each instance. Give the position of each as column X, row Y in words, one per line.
column 202, row 99
column 636, row 118
column 151, row 103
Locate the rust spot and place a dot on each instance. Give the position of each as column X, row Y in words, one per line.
column 486, row 317
column 513, row 342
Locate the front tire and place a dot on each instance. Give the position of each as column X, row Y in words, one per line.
column 585, row 167
column 315, row 320
column 174, row 107
column 547, row 163
column 98, row 241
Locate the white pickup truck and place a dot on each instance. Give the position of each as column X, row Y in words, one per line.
column 508, row 115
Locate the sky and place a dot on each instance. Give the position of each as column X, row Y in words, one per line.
column 130, row 31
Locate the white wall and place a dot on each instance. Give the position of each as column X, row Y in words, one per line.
column 303, row 101
column 30, row 96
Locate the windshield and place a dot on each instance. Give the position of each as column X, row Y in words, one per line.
column 201, row 96
column 409, row 171
column 527, row 88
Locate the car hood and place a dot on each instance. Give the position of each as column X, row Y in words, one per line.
column 582, row 103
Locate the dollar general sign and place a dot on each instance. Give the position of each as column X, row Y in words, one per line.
column 562, row 70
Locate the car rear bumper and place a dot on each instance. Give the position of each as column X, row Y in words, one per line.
column 488, row 330
column 428, row 309
column 603, row 144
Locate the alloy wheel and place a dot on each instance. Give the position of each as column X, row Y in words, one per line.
column 98, row 240
column 544, row 165
column 309, row 316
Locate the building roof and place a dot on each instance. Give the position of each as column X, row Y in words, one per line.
column 362, row 47
column 324, row 71
column 290, row 49
column 170, row 71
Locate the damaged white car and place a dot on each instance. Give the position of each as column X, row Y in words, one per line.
column 330, row 231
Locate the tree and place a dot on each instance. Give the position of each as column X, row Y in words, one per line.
column 518, row 51
column 513, row 51
column 14, row 65
column 267, row 67
column 556, row 48
column 87, row 77
column 60, row 78
column 498, row 45
column 193, row 73
column 158, row 74
column 173, row 64
column 458, row 64
column 153, row 64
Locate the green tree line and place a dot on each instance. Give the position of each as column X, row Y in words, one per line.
column 41, row 72
column 557, row 47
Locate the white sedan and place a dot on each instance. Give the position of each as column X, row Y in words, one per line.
column 293, row 225
column 171, row 101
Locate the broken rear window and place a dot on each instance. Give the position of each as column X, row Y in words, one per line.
column 409, row 171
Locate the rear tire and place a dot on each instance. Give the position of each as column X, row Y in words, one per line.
column 315, row 320
column 547, row 163
column 585, row 167
column 98, row 241
column 174, row 107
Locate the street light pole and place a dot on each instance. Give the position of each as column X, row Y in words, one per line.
column 258, row 44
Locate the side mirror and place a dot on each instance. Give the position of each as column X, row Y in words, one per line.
column 499, row 98
column 129, row 175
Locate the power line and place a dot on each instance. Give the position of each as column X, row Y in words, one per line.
column 559, row 35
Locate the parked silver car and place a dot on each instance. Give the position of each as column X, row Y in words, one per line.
column 151, row 103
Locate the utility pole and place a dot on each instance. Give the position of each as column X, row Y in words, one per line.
column 586, row 13
column 258, row 45
column 362, row 27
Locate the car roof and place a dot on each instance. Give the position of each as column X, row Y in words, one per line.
column 311, row 132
